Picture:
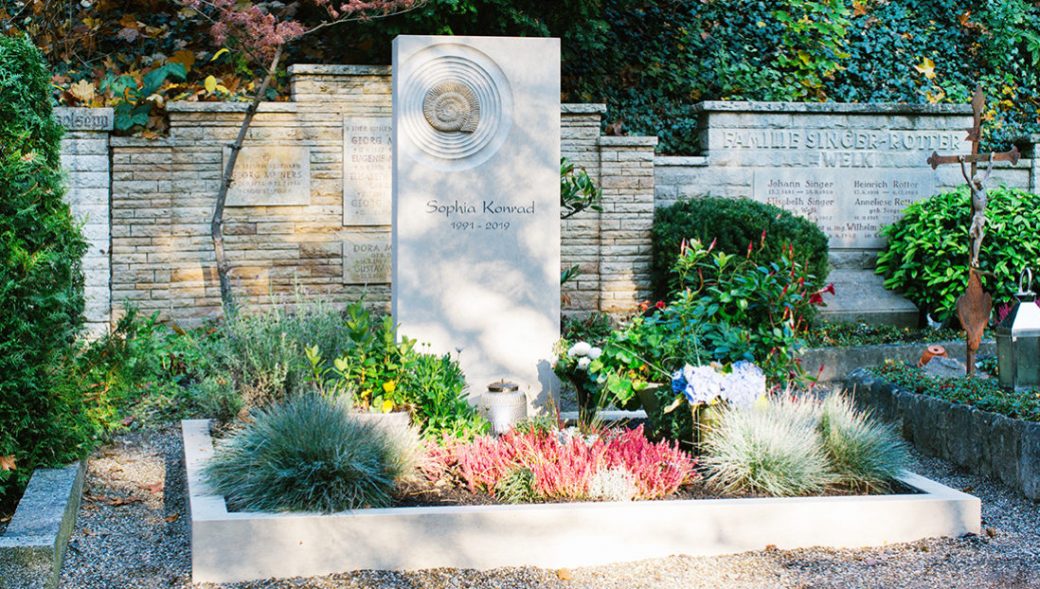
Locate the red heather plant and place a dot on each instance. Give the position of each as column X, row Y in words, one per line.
column 563, row 469
column 261, row 30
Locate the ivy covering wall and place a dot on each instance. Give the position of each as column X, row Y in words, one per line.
column 649, row 60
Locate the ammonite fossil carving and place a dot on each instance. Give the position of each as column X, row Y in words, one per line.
column 452, row 107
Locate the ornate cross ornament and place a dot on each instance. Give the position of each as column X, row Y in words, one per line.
column 975, row 305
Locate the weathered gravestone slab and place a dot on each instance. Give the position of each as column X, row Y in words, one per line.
column 476, row 235
column 366, row 170
column 850, row 206
column 366, row 258
column 271, row 176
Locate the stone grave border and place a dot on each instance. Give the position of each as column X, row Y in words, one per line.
column 232, row 547
column 33, row 546
column 982, row 442
column 839, row 361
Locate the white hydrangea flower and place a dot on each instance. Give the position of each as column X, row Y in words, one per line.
column 579, row 349
column 583, row 363
column 595, row 353
column 744, row 385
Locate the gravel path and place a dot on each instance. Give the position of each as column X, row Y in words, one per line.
column 133, row 532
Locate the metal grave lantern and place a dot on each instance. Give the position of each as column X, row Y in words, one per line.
column 1018, row 340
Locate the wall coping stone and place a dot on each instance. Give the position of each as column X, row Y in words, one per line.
column 85, row 119
column 680, row 161
column 229, row 107
column 577, row 108
column 624, row 141
column 142, row 142
column 880, row 108
column 317, row 69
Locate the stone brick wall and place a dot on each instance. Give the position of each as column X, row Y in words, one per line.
column 163, row 191
column 85, row 157
column 149, row 229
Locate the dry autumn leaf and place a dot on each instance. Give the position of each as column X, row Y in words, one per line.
column 7, row 462
column 172, row 518
column 926, row 67
column 83, row 91
column 210, row 84
column 564, row 575
column 155, row 489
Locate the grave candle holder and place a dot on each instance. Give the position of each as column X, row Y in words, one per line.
column 1018, row 340
column 504, row 404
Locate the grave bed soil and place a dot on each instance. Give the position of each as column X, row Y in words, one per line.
column 231, row 547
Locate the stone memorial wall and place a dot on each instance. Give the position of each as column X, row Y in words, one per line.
column 148, row 203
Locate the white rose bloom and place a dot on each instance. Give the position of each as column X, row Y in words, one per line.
column 583, row 363
column 595, row 353
column 579, row 349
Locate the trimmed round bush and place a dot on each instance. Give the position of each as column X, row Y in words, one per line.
column 866, row 455
column 311, row 454
column 927, row 255
column 41, row 282
column 774, row 450
column 733, row 223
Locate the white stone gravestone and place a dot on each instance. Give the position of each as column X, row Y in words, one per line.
column 476, row 232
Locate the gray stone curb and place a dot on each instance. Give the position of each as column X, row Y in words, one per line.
column 837, row 362
column 981, row 442
column 33, row 547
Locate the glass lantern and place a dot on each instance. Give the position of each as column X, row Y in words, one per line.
column 1018, row 340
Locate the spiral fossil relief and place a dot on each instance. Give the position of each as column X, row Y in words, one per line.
column 452, row 107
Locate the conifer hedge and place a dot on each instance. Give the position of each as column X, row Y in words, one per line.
column 42, row 420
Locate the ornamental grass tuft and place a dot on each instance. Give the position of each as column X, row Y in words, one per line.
column 865, row 454
column 774, row 450
column 310, row 454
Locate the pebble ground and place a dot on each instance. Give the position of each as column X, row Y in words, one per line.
column 133, row 533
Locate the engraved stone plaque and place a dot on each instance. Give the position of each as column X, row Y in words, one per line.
column 850, row 205
column 366, row 258
column 271, row 176
column 366, row 170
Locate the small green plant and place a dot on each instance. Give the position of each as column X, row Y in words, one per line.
column 434, row 387
column 926, row 258
column 775, row 450
column 866, row 455
column 138, row 94
column 733, row 225
column 860, row 334
column 985, row 394
column 577, row 190
column 517, row 486
column 371, row 366
column 252, row 360
column 310, row 454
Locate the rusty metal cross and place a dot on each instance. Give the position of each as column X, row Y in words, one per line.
column 975, row 305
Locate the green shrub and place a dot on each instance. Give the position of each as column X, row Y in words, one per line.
column 733, row 224
column 310, row 454
column 927, row 255
column 41, row 281
column 731, row 309
column 252, row 360
column 865, row 454
column 775, row 450
column 135, row 375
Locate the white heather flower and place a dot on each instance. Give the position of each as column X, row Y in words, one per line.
column 583, row 363
column 579, row 349
column 595, row 353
